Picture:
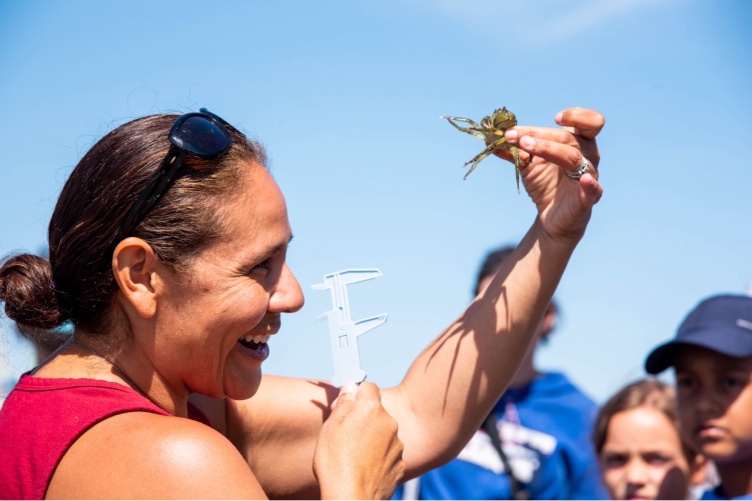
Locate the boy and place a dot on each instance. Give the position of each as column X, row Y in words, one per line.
column 712, row 357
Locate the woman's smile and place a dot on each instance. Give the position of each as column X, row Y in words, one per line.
column 255, row 346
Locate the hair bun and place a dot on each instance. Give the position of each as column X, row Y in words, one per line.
column 27, row 291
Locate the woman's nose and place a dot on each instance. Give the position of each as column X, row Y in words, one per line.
column 287, row 296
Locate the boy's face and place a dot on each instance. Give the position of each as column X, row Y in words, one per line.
column 714, row 395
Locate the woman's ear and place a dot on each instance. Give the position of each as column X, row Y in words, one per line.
column 134, row 264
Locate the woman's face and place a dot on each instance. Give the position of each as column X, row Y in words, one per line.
column 642, row 457
column 215, row 319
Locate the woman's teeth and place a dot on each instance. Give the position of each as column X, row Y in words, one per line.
column 258, row 338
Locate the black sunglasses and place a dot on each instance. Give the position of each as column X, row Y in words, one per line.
column 201, row 135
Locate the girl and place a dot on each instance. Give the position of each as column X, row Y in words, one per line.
column 640, row 449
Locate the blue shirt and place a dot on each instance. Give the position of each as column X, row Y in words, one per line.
column 716, row 494
column 545, row 431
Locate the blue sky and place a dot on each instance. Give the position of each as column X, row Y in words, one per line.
column 346, row 98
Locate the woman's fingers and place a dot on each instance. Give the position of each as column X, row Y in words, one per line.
column 585, row 125
column 572, row 147
column 358, row 454
column 567, row 157
column 563, row 136
column 584, row 122
column 591, row 191
column 346, row 394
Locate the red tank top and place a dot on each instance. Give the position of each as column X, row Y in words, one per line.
column 43, row 417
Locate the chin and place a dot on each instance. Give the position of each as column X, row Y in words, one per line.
column 242, row 389
column 718, row 452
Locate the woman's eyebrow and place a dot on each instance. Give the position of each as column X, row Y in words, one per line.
column 266, row 254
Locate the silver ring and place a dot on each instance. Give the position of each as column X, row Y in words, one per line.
column 583, row 168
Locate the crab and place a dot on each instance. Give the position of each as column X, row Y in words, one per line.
column 491, row 130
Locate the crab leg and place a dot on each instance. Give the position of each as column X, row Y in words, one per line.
column 470, row 130
column 479, row 158
column 490, row 149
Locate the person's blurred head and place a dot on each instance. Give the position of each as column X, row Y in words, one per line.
column 639, row 445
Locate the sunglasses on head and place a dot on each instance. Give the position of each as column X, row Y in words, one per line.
column 203, row 135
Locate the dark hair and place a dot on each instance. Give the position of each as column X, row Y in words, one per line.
column 77, row 282
column 646, row 392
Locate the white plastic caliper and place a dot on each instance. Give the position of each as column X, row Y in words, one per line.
column 343, row 332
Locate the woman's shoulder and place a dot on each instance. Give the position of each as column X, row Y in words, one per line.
column 146, row 455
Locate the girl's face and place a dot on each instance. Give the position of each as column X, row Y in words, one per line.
column 214, row 321
column 714, row 395
column 642, row 457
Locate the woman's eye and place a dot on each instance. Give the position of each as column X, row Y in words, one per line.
column 262, row 268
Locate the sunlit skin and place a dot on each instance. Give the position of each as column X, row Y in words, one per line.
column 239, row 286
column 642, row 457
column 714, row 394
column 178, row 332
column 185, row 325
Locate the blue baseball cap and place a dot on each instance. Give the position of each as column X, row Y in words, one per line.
column 720, row 323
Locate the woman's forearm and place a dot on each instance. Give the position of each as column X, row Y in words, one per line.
column 457, row 379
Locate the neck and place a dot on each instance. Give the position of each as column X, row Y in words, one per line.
column 736, row 478
column 168, row 404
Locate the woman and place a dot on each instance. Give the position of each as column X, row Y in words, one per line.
column 169, row 260
column 640, row 447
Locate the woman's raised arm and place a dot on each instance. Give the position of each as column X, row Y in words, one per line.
column 454, row 382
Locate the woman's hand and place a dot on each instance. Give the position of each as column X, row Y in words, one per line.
column 564, row 205
column 358, row 454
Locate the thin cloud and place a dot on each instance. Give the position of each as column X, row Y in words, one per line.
column 545, row 21
column 590, row 16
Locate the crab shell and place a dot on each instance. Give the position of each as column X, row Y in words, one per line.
column 500, row 120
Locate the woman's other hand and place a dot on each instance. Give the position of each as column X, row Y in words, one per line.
column 358, row 453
